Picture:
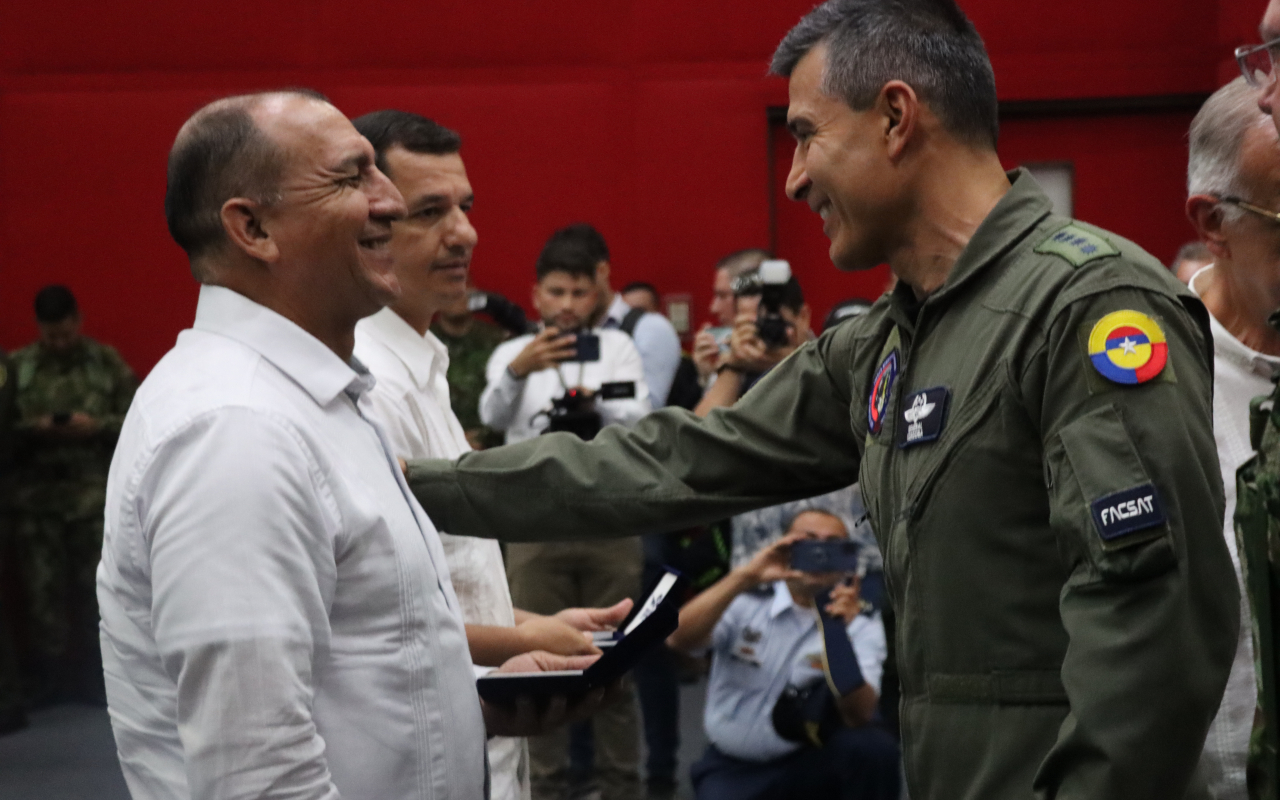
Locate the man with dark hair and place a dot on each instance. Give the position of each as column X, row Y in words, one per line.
column 432, row 249
column 277, row 614
column 653, row 334
column 547, row 381
column 71, row 396
column 642, row 295
column 1028, row 414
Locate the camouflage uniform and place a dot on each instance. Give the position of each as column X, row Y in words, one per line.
column 468, row 355
column 59, row 497
column 1258, row 539
column 11, row 713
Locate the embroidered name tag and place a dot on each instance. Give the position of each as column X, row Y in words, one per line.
column 1124, row 512
column 923, row 414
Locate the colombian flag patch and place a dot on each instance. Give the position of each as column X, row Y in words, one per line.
column 1128, row 347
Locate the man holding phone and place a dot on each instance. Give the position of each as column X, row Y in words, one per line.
column 569, row 377
column 771, row 666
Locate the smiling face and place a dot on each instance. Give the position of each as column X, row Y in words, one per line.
column 840, row 168
column 331, row 223
column 432, row 245
column 564, row 300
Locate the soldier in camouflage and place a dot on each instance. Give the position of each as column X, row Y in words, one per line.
column 1257, row 515
column 72, row 394
column 12, row 716
column 470, row 342
column 1258, row 540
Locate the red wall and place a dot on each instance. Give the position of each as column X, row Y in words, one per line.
column 646, row 117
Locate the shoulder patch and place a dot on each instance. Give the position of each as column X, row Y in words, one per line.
column 1128, row 347
column 1076, row 245
column 1122, row 513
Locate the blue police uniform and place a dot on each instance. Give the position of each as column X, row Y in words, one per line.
column 764, row 642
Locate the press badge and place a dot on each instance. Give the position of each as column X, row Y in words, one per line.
column 618, row 390
column 923, row 415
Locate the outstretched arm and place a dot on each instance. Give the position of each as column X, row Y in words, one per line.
column 789, row 437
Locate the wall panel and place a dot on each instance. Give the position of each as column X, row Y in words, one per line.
column 646, row 117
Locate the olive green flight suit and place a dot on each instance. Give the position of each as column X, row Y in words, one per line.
column 1037, row 657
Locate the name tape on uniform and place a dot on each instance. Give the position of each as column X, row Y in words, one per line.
column 923, row 415
column 1124, row 512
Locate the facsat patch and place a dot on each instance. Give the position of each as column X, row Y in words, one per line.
column 1125, row 512
column 923, row 414
column 881, row 391
column 1128, row 347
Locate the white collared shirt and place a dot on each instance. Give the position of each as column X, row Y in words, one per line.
column 411, row 402
column 1239, row 375
column 658, row 343
column 277, row 615
column 518, row 406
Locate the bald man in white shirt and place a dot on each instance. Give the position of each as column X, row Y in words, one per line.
column 278, row 618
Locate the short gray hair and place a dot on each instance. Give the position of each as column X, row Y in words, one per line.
column 928, row 44
column 1216, row 138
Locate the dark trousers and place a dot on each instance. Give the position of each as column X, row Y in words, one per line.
column 657, row 681
column 855, row 764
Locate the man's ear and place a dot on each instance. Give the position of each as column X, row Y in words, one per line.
column 602, row 273
column 900, row 110
column 535, row 297
column 1205, row 213
column 242, row 219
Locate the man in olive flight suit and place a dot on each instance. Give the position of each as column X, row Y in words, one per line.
column 1028, row 413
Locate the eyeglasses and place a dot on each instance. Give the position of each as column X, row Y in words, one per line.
column 1259, row 210
column 1258, row 62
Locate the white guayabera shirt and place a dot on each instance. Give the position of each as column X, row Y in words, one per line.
column 411, row 403
column 277, row 616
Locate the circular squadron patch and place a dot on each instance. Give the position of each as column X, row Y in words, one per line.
column 881, row 386
column 1128, row 347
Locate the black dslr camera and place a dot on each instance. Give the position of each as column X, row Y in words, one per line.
column 576, row 413
column 769, row 281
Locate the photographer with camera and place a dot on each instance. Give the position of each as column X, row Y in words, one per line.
column 772, row 321
column 795, row 675
column 568, row 377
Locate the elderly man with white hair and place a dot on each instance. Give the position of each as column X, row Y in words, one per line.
column 1233, row 187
